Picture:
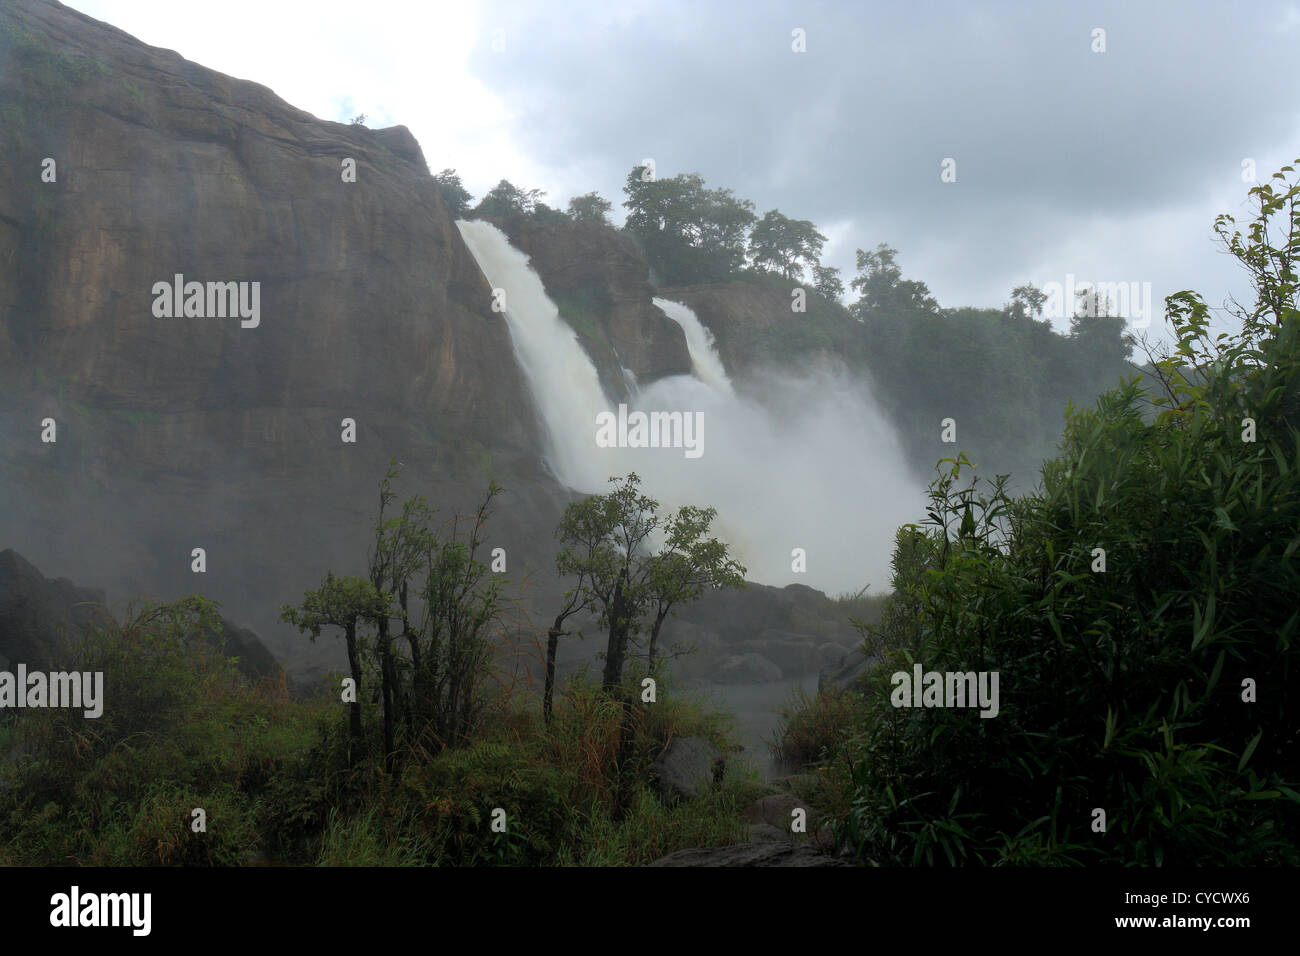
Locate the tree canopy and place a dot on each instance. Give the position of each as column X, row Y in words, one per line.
column 453, row 192
column 689, row 233
column 785, row 246
column 590, row 207
column 505, row 200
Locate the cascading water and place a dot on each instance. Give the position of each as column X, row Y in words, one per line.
column 563, row 379
column 705, row 361
column 814, row 466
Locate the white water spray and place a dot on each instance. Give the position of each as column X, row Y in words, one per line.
column 814, row 466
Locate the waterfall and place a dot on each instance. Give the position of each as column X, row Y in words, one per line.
column 562, row 378
column 705, row 361
column 812, row 466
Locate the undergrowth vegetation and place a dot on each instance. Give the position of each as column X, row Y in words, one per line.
column 1140, row 608
column 280, row 781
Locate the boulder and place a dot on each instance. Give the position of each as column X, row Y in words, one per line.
column 847, row 673
column 830, row 656
column 767, row 833
column 747, row 669
column 688, row 767
column 775, row 810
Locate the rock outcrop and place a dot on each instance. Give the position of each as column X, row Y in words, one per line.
column 846, row 673
column 759, row 634
column 42, row 619
column 253, row 660
column 688, row 767
column 754, row 325
column 599, row 279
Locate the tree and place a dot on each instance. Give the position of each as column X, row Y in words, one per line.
column 722, row 229
column 688, row 565
column 583, row 530
column 619, row 571
column 785, row 246
column 453, row 192
column 590, row 207
column 1141, row 672
column 688, row 233
column 544, row 213
column 462, row 599
column 505, row 200
column 606, row 543
column 347, row 603
column 1102, row 335
column 827, row 283
column 1026, row 301
column 434, row 689
column 399, row 545
column 881, row 286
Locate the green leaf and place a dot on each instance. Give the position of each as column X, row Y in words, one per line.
column 1250, row 749
column 1224, row 521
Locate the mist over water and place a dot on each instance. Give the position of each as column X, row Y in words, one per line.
column 799, row 461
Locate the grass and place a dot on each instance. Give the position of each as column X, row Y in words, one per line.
column 812, row 727
column 182, row 731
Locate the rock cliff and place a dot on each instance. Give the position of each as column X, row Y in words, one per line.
column 129, row 165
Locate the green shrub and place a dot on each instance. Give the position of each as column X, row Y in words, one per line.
column 179, row 730
column 1123, row 690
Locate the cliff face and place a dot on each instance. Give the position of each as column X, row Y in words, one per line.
column 370, row 305
column 180, row 432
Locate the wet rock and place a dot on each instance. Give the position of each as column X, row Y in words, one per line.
column 687, row 768
column 747, row 669
column 775, row 810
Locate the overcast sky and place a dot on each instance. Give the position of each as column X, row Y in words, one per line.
column 1109, row 166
